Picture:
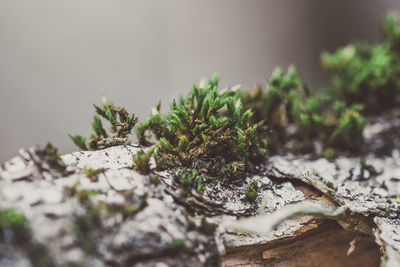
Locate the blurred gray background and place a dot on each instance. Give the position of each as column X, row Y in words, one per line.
column 58, row 57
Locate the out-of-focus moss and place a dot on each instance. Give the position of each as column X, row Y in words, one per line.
column 288, row 102
column 251, row 191
column 17, row 224
column 368, row 74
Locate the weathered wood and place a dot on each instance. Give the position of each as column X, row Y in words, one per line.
column 355, row 222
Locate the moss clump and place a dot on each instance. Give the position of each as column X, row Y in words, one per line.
column 87, row 228
column 368, row 74
column 288, row 102
column 206, row 124
column 155, row 179
column 189, row 179
column 49, row 154
column 329, row 153
column 15, row 222
column 93, row 174
column 349, row 125
column 252, row 191
column 121, row 122
column 141, row 161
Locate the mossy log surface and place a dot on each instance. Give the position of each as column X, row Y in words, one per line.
column 118, row 217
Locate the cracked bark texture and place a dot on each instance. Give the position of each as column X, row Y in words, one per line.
column 170, row 229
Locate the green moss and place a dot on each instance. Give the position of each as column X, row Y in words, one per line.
column 252, row 191
column 86, row 235
column 205, row 124
column 127, row 209
column 186, row 179
column 51, row 151
column 388, row 211
column 350, row 124
column 397, row 200
column 22, row 237
column 330, row 185
column 49, row 154
column 88, row 227
column 234, row 131
column 368, row 74
column 141, row 161
column 155, row 179
column 16, row 222
column 316, row 117
column 121, row 122
column 93, row 174
column 329, row 153
column 179, row 243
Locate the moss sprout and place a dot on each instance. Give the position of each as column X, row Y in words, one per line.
column 186, row 178
column 93, row 174
column 49, row 154
column 121, row 122
column 155, row 179
column 141, row 161
column 329, row 153
column 16, row 222
column 252, row 191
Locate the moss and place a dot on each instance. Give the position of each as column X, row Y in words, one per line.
column 93, row 174
column 186, row 179
column 388, row 211
column 368, row 74
column 88, row 227
column 22, row 237
column 16, row 222
column 225, row 171
column 141, row 161
column 397, row 200
column 155, row 179
column 128, row 208
column 122, row 124
column 252, row 191
column 49, row 154
column 329, row 153
column 205, row 124
column 330, row 185
column 84, row 195
column 50, row 151
column 179, row 243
